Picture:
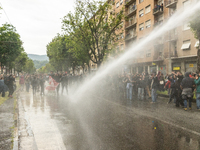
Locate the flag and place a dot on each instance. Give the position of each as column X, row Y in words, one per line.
column 52, row 84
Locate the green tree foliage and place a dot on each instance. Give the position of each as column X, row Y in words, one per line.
column 58, row 53
column 46, row 69
column 93, row 26
column 29, row 67
column 10, row 45
column 38, row 64
column 195, row 27
column 20, row 62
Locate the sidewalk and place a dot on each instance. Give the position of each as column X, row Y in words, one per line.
column 7, row 123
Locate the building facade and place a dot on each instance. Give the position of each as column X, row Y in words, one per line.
column 173, row 51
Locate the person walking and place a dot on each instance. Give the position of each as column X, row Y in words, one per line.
column 154, row 87
column 34, row 84
column 197, row 82
column 21, row 82
column 27, row 83
column 187, row 85
column 10, row 85
column 129, row 88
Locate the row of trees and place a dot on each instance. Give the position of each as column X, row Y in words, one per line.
column 12, row 55
column 90, row 34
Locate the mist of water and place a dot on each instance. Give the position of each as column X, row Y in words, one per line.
column 182, row 16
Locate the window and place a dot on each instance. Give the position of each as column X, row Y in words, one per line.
column 186, row 45
column 147, row 9
column 148, row 53
column 121, row 2
column 122, row 46
column 148, row 23
column 140, row 1
column 196, row 44
column 141, row 26
column 186, row 26
column 117, row 4
column 141, row 13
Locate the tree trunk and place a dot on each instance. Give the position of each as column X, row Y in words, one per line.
column 88, row 67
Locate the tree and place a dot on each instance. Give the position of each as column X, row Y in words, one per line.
column 58, row 53
column 20, row 62
column 95, row 25
column 29, row 67
column 10, row 45
column 195, row 27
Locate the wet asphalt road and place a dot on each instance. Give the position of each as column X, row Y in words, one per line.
column 93, row 123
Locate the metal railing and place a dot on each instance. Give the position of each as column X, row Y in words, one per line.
column 133, row 8
column 132, row 22
column 130, row 35
column 158, row 23
column 169, row 2
column 158, row 9
column 127, row 1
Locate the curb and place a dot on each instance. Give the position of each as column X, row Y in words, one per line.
column 16, row 133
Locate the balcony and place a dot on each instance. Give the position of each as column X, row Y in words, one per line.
column 158, row 10
column 170, row 3
column 131, row 24
column 131, row 11
column 129, row 2
column 172, row 54
column 158, row 23
column 157, row 57
column 130, row 36
column 173, row 36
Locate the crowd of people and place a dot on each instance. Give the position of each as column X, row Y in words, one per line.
column 7, row 83
column 180, row 88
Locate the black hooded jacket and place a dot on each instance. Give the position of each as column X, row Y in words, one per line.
column 187, row 82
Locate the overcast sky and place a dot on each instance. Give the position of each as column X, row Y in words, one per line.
column 37, row 21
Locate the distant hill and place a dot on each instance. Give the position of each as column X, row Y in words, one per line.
column 38, row 57
column 38, row 64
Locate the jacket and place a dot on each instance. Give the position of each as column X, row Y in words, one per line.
column 154, row 83
column 187, row 82
column 197, row 82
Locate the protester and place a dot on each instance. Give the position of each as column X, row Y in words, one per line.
column 10, row 85
column 187, row 85
column 129, row 87
column 197, row 82
column 154, row 87
column 21, row 82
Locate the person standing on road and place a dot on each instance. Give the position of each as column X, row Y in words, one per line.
column 21, row 82
column 27, row 82
column 197, row 82
column 10, row 85
column 34, row 84
column 129, row 88
column 42, row 82
column 187, row 85
column 154, row 87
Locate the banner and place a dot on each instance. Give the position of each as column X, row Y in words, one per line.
column 52, row 84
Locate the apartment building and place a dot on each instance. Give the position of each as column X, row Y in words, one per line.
column 173, row 51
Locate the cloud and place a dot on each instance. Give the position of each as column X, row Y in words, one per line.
column 37, row 21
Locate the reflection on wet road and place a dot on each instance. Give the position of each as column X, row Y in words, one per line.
column 99, row 124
